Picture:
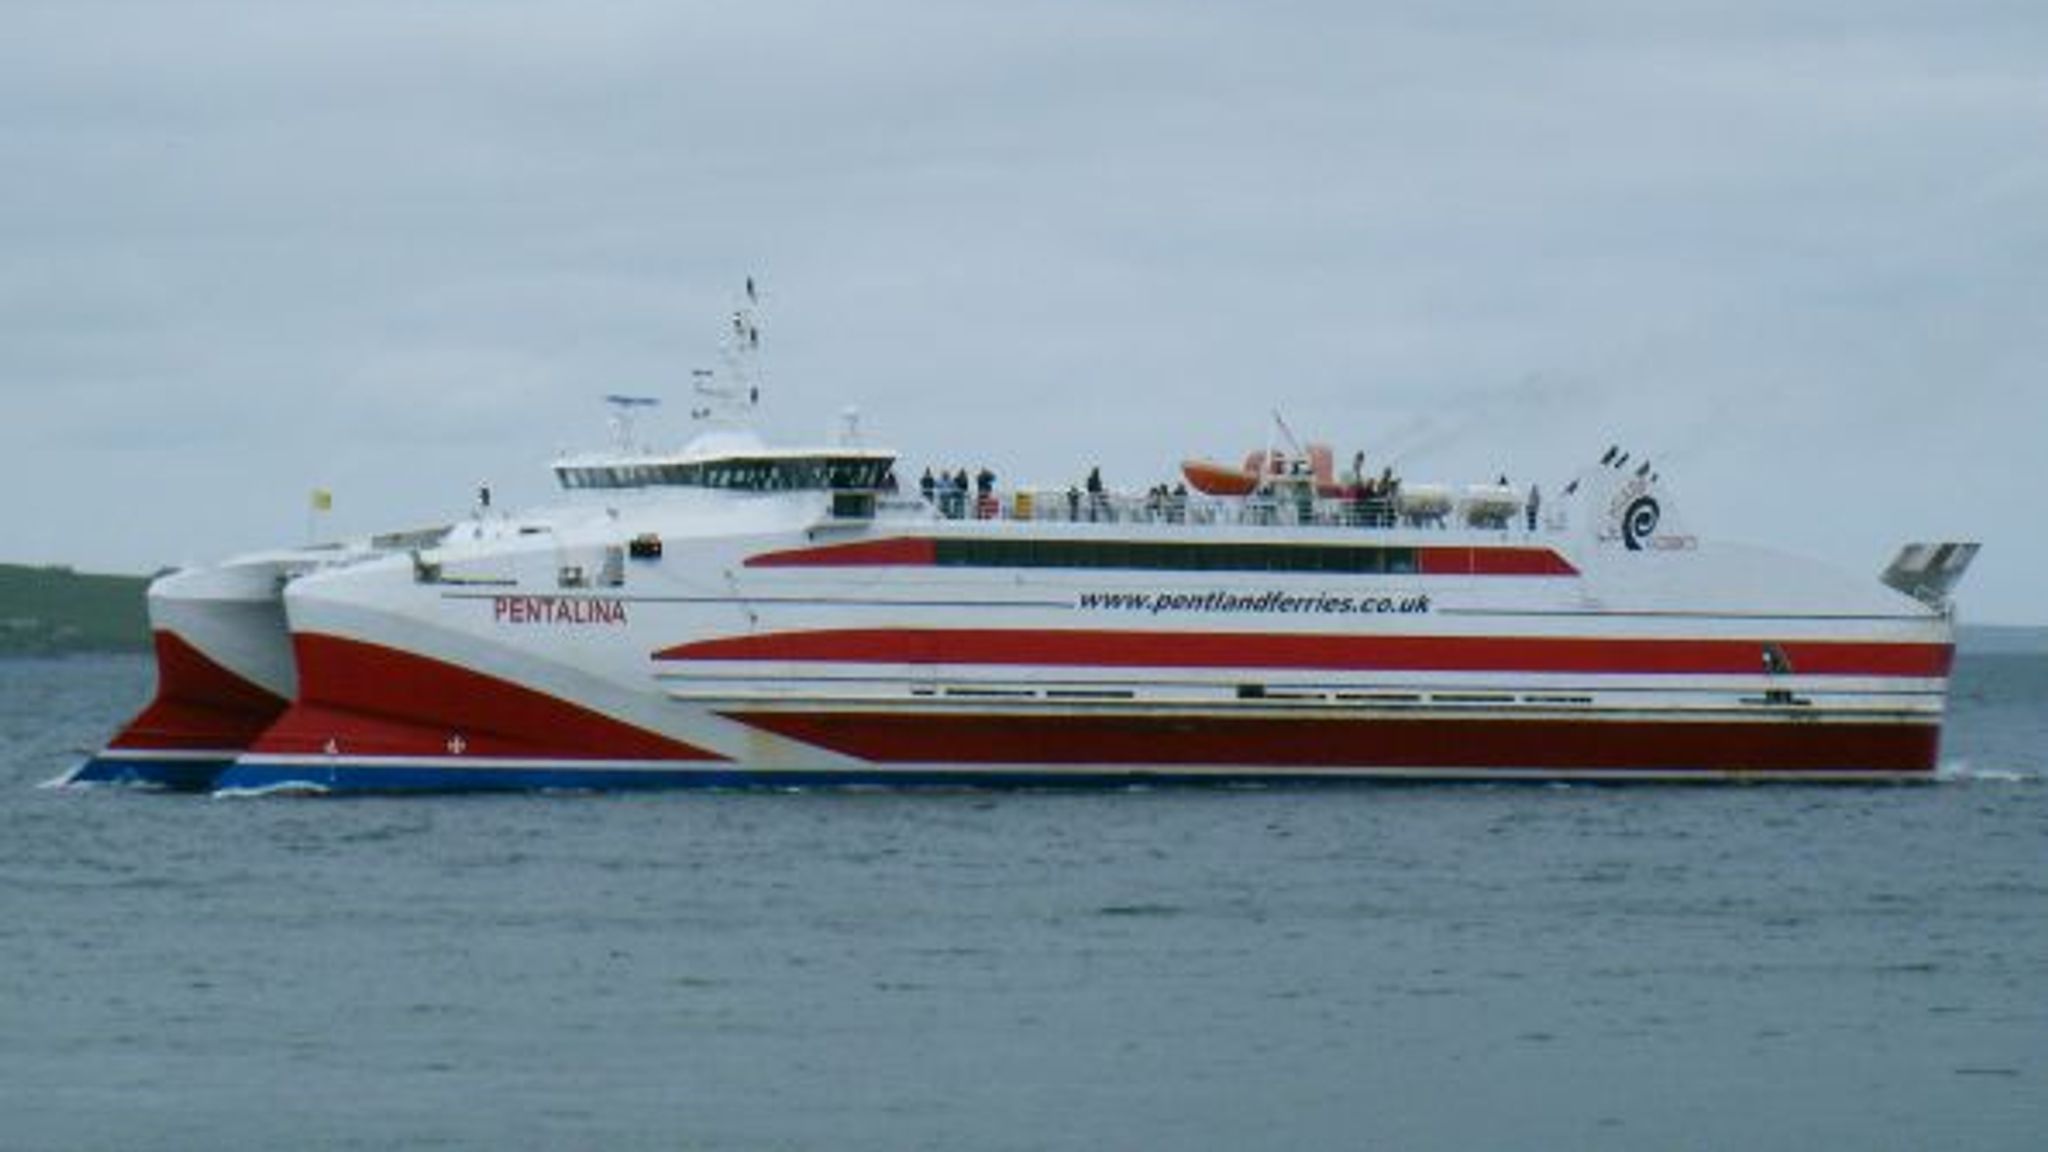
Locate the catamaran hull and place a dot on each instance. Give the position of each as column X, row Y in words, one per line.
column 992, row 681
column 224, row 675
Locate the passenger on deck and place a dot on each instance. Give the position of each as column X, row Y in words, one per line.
column 928, row 487
column 985, row 504
column 1535, row 502
column 1095, row 497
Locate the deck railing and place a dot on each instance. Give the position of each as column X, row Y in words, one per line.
column 1064, row 506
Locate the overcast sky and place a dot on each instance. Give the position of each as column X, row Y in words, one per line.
column 1796, row 253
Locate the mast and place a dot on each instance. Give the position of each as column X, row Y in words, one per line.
column 730, row 397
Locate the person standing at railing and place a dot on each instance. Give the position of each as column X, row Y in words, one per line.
column 1535, row 502
column 953, row 493
column 985, row 494
column 1095, row 500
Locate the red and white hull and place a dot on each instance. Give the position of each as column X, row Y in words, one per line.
column 770, row 643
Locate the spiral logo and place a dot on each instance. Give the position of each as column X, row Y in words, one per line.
column 1639, row 523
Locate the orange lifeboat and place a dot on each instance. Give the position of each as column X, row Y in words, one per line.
column 1213, row 479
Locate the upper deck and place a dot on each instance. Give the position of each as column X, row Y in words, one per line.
column 1486, row 508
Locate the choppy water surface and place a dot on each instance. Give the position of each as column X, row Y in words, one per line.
column 1461, row 967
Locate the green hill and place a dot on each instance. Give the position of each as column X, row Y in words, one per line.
column 51, row 610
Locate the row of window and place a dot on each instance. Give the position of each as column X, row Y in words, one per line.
column 803, row 474
column 1176, row 557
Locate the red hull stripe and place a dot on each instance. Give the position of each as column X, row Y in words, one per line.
column 922, row 552
column 1492, row 562
column 1119, row 649
column 199, row 704
column 1334, row 744
column 904, row 551
column 366, row 700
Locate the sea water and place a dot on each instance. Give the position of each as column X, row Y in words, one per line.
column 1403, row 967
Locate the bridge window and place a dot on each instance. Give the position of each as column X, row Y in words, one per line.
column 767, row 474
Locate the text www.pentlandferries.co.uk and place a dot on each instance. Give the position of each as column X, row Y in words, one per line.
column 1269, row 602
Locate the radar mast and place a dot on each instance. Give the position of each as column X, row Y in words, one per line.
column 730, row 397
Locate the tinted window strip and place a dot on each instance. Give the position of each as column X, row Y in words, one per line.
column 1156, row 556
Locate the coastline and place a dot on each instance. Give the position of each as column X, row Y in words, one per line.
column 54, row 610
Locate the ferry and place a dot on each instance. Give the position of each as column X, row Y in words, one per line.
column 736, row 613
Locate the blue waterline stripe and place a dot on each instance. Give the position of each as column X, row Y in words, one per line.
column 388, row 778
column 151, row 772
